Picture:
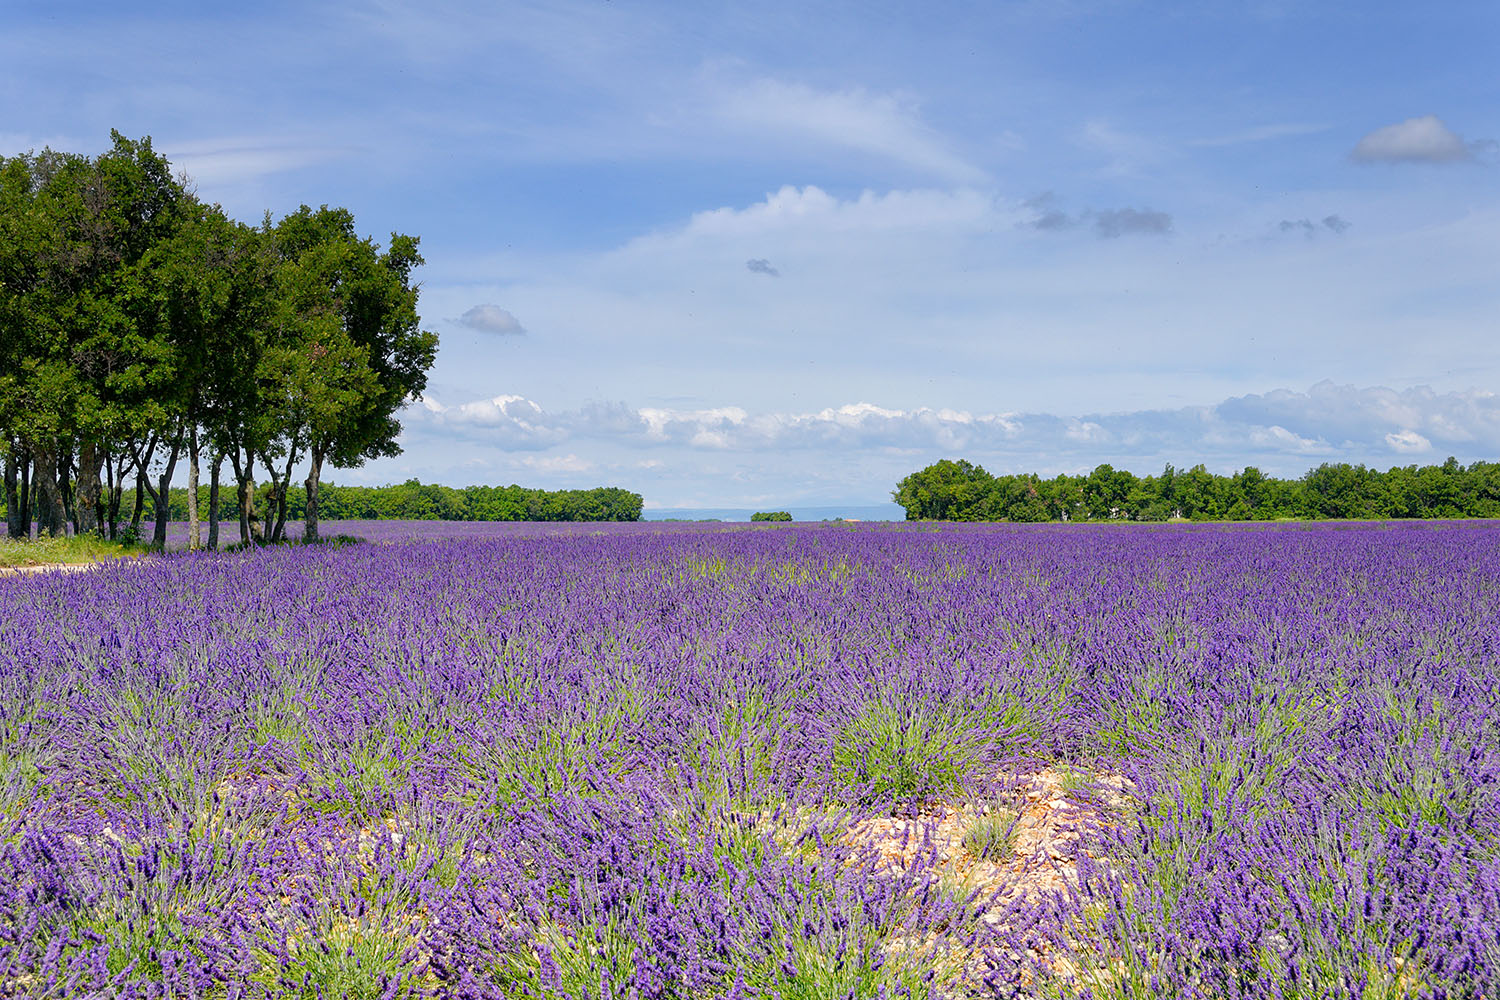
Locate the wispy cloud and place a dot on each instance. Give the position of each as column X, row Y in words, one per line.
column 1260, row 133
column 225, row 161
column 1127, row 152
column 760, row 265
column 886, row 125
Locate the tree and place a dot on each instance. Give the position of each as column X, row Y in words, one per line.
column 1335, row 490
column 86, row 373
column 947, row 490
column 1106, row 492
column 210, row 285
column 346, row 352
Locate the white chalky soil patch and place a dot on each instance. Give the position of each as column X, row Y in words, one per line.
column 1055, row 810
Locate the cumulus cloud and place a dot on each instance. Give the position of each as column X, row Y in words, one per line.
column 1126, row 221
column 1416, row 140
column 506, row 421
column 813, row 209
column 760, row 265
column 1408, row 442
column 491, row 319
column 1331, row 223
column 1278, row 438
column 1328, row 420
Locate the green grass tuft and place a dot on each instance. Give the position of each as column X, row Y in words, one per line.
column 991, row 837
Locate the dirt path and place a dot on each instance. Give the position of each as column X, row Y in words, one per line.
column 60, row 567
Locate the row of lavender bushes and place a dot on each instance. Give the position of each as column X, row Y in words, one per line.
column 622, row 763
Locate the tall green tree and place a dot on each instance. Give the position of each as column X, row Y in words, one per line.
column 946, row 490
column 89, row 373
column 346, row 351
column 209, row 288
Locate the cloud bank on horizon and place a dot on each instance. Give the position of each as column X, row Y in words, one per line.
column 1281, row 432
column 807, row 251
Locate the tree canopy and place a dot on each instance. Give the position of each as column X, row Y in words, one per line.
column 951, row 490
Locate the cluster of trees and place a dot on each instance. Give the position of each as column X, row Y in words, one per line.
column 140, row 327
column 958, row 491
column 415, row 501
column 771, row 515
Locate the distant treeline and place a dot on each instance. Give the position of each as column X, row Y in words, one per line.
column 958, row 491
column 417, row 501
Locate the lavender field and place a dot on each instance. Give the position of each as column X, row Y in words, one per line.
column 781, row 761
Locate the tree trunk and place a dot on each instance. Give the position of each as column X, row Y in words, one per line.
column 163, row 496
column 110, row 505
column 138, row 510
column 244, row 477
column 192, row 498
column 277, row 508
column 89, row 521
column 315, row 470
column 254, row 531
column 27, row 494
column 50, row 516
column 242, row 492
column 65, row 486
column 213, row 501
column 279, row 488
column 13, row 520
column 114, row 487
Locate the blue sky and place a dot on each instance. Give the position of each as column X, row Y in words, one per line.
column 761, row 254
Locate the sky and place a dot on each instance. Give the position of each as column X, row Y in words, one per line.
column 775, row 254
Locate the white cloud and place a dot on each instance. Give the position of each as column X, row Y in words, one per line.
column 491, row 319
column 1408, row 442
column 211, row 163
column 1086, row 432
column 889, row 126
column 661, row 423
column 1415, row 140
column 556, row 463
column 947, row 299
column 1278, row 426
column 505, row 421
column 792, row 208
column 1278, row 438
